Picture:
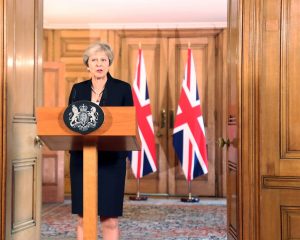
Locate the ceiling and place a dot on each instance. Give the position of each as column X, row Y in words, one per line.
column 121, row 14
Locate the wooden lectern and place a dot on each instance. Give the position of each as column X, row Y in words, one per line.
column 117, row 133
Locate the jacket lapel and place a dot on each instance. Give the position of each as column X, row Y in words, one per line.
column 107, row 91
column 87, row 92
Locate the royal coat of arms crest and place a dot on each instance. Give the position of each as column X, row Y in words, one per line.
column 83, row 116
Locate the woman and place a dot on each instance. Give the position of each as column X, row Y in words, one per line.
column 104, row 90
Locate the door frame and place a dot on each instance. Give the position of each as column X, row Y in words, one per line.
column 3, row 154
column 3, row 129
column 248, row 122
column 249, row 180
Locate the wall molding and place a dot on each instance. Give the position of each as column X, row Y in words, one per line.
column 278, row 182
column 290, row 218
column 19, row 165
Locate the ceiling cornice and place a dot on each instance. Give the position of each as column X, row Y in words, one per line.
column 179, row 25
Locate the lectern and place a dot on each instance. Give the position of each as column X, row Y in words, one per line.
column 117, row 133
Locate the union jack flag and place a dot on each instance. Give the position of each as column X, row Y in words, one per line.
column 143, row 162
column 189, row 133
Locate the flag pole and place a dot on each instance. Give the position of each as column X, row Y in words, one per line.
column 138, row 188
column 138, row 197
column 190, row 198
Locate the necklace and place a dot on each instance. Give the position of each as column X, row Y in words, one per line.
column 98, row 94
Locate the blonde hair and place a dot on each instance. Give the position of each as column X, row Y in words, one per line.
column 96, row 47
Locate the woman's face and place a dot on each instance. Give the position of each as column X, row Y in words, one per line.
column 98, row 64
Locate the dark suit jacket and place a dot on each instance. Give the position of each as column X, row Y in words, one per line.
column 116, row 93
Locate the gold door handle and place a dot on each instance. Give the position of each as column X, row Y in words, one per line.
column 159, row 134
column 163, row 116
column 38, row 142
column 222, row 142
